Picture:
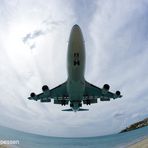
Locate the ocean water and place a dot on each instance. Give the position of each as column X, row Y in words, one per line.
column 27, row 140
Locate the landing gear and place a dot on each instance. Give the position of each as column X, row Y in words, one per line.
column 63, row 102
column 80, row 104
column 71, row 105
column 87, row 102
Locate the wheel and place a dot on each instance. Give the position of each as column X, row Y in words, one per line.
column 80, row 104
column 63, row 102
column 71, row 105
column 88, row 102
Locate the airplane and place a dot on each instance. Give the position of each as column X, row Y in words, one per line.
column 75, row 90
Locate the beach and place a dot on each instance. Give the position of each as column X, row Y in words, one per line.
column 8, row 146
column 4, row 146
column 27, row 140
column 140, row 144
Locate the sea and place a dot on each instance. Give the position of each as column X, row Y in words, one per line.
column 27, row 140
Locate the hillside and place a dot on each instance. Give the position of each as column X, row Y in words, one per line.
column 136, row 125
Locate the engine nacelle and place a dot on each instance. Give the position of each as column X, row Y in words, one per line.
column 118, row 93
column 105, row 89
column 45, row 88
column 33, row 96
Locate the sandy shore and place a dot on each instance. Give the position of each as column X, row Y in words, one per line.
column 140, row 144
column 4, row 146
column 7, row 146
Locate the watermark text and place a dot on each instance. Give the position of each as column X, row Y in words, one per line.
column 9, row 142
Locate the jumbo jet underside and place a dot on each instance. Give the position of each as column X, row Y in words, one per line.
column 76, row 90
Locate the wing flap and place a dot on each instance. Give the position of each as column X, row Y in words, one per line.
column 91, row 101
column 65, row 102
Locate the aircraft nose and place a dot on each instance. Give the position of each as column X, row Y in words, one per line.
column 76, row 28
column 76, row 34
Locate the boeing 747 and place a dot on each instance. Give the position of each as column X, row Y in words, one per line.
column 76, row 90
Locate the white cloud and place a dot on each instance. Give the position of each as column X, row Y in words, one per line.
column 119, row 34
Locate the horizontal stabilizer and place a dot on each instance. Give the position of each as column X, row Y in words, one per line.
column 82, row 109
column 69, row 110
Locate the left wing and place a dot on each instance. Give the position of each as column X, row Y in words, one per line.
column 92, row 93
column 59, row 94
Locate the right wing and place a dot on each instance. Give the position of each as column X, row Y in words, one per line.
column 92, row 93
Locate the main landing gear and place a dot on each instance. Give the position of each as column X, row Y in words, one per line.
column 87, row 102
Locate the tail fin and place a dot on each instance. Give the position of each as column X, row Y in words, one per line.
column 81, row 109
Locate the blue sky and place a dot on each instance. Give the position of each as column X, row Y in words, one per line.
column 33, row 48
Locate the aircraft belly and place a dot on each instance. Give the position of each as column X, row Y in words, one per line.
column 76, row 90
column 76, row 65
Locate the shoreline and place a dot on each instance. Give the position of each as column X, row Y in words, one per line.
column 7, row 146
column 143, row 143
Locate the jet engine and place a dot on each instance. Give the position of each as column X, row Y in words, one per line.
column 105, row 89
column 45, row 88
column 118, row 93
column 33, row 96
column 46, row 91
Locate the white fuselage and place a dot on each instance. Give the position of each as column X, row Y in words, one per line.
column 76, row 67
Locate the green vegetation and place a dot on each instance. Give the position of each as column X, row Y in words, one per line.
column 136, row 125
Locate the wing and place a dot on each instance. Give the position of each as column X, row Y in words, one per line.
column 59, row 91
column 59, row 94
column 92, row 93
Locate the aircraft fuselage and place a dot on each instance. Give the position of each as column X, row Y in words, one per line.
column 76, row 67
